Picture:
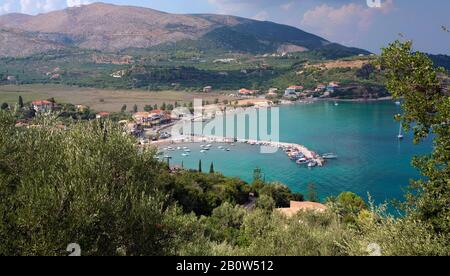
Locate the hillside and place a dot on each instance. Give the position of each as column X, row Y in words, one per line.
column 113, row 28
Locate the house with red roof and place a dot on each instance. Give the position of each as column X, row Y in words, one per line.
column 102, row 115
column 247, row 92
column 43, row 105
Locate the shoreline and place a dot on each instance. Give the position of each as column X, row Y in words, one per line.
column 290, row 149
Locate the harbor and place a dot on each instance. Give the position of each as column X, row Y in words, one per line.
column 295, row 152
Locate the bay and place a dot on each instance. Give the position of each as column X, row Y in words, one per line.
column 363, row 135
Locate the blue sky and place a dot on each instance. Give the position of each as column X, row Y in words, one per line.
column 350, row 22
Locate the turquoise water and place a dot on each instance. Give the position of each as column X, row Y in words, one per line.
column 364, row 135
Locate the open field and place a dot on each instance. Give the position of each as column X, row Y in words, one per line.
column 101, row 100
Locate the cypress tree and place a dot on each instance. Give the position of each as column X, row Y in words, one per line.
column 211, row 168
column 200, row 166
column 20, row 102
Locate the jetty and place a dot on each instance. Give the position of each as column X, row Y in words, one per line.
column 291, row 149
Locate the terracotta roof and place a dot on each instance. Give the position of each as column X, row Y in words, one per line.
column 296, row 87
column 41, row 102
column 103, row 114
column 302, row 206
column 141, row 114
column 247, row 91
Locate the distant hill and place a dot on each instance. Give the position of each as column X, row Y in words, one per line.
column 441, row 61
column 112, row 28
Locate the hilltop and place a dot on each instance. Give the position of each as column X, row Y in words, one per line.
column 112, row 28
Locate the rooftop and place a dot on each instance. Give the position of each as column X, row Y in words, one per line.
column 297, row 206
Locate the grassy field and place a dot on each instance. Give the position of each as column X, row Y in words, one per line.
column 101, row 100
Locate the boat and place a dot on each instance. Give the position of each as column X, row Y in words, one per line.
column 228, row 149
column 398, row 103
column 203, row 151
column 187, row 150
column 178, row 148
column 220, row 147
column 302, row 161
column 329, row 156
column 312, row 164
column 185, row 154
column 336, row 104
column 400, row 133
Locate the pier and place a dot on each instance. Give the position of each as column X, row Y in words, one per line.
column 288, row 148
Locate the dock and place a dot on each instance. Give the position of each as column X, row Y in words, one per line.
column 286, row 147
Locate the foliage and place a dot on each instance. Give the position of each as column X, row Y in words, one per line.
column 412, row 76
column 87, row 184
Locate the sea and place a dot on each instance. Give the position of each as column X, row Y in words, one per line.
column 371, row 159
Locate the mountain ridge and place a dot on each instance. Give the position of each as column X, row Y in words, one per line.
column 113, row 28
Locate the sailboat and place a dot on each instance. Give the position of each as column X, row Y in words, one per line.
column 400, row 133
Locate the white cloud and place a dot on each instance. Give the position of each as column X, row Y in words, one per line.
column 335, row 22
column 6, row 7
column 39, row 6
column 77, row 3
column 287, row 6
column 261, row 16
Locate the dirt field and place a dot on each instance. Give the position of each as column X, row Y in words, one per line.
column 100, row 100
column 339, row 64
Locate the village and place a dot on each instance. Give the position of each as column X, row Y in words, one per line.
column 152, row 126
column 149, row 125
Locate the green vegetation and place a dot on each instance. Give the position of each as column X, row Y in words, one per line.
column 184, row 67
column 90, row 184
column 425, row 90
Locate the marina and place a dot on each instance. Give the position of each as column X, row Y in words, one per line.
column 356, row 133
column 296, row 152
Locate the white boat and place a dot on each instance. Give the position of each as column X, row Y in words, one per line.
column 329, row 156
column 400, row 133
column 185, row 154
column 178, row 148
column 203, row 151
column 302, row 161
column 312, row 164
column 220, row 147
column 187, row 150
column 336, row 104
column 398, row 103
column 228, row 149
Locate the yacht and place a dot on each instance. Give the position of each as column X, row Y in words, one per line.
column 302, row 161
column 400, row 133
column 329, row 156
